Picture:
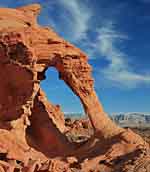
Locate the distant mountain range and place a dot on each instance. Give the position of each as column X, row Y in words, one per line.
column 133, row 119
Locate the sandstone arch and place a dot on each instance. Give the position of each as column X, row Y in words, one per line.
column 26, row 51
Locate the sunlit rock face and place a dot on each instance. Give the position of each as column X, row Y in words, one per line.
column 32, row 130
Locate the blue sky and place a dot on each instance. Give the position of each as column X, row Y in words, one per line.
column 115, row 36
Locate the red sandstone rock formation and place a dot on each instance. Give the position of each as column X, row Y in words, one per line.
column 31, row 128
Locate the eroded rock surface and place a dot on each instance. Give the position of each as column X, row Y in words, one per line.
column 32, row 130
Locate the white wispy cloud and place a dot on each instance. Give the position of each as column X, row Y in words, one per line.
column 79, row 16
column 118, row 70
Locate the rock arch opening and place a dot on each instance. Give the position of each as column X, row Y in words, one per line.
column 58, row 92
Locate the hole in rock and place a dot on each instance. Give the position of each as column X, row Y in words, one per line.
column 18, row 162
column 58, row 92
column 3, row 156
